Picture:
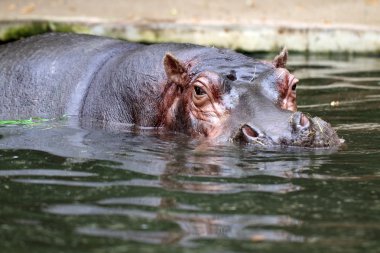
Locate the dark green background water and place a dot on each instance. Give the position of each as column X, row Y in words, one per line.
column 65, row 189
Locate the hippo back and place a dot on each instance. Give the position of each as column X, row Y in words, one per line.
column 48, row 75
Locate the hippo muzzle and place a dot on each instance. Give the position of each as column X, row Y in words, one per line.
column 301, row 131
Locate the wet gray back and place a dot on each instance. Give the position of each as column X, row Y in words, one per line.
column 48, row 75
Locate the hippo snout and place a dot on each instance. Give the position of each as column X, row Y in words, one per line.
column 299, row 121
column 311, row 132
column 320, row 134
column 300, row 131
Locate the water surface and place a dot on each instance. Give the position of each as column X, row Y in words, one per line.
column 66, row 189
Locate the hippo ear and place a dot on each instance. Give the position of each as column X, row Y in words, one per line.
column 281, row 59
column 176, row 71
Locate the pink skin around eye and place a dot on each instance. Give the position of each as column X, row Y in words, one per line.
column 287, row 90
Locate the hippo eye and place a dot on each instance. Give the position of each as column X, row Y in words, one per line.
column 294, row 87
column 199, row 91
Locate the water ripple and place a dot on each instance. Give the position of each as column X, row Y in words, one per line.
column 340, row 103
column 45, row 172
column 339, row 85
column 359, row 126
column 189, row 239
column 185, row 186
column 147, row 201
column 194, row 226
column 150, row 237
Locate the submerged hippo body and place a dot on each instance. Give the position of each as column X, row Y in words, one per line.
column 209, row 93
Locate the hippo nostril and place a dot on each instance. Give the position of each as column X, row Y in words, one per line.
column 300, row 121
column 249, row 131
column 304, row 121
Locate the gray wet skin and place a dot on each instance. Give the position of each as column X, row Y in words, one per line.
column 211, row 94
column 262, row 122
column 255, row 117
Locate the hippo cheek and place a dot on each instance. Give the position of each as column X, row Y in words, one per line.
column 208, row 121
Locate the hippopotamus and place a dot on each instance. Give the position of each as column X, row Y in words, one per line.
column 211, row 94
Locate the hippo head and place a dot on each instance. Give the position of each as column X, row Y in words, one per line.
column 221, row 106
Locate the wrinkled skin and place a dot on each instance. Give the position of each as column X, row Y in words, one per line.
column 211, row 94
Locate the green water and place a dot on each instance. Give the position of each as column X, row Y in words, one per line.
column 65, row 189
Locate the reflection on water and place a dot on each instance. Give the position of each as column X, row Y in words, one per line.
column 193, row 226
column 66, row 188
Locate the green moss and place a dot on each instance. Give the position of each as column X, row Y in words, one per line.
column 22, row 30
column 31, row 121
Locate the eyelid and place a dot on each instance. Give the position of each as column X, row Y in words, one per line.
column 201, row 84
column 293, row 83
column 200, row 100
